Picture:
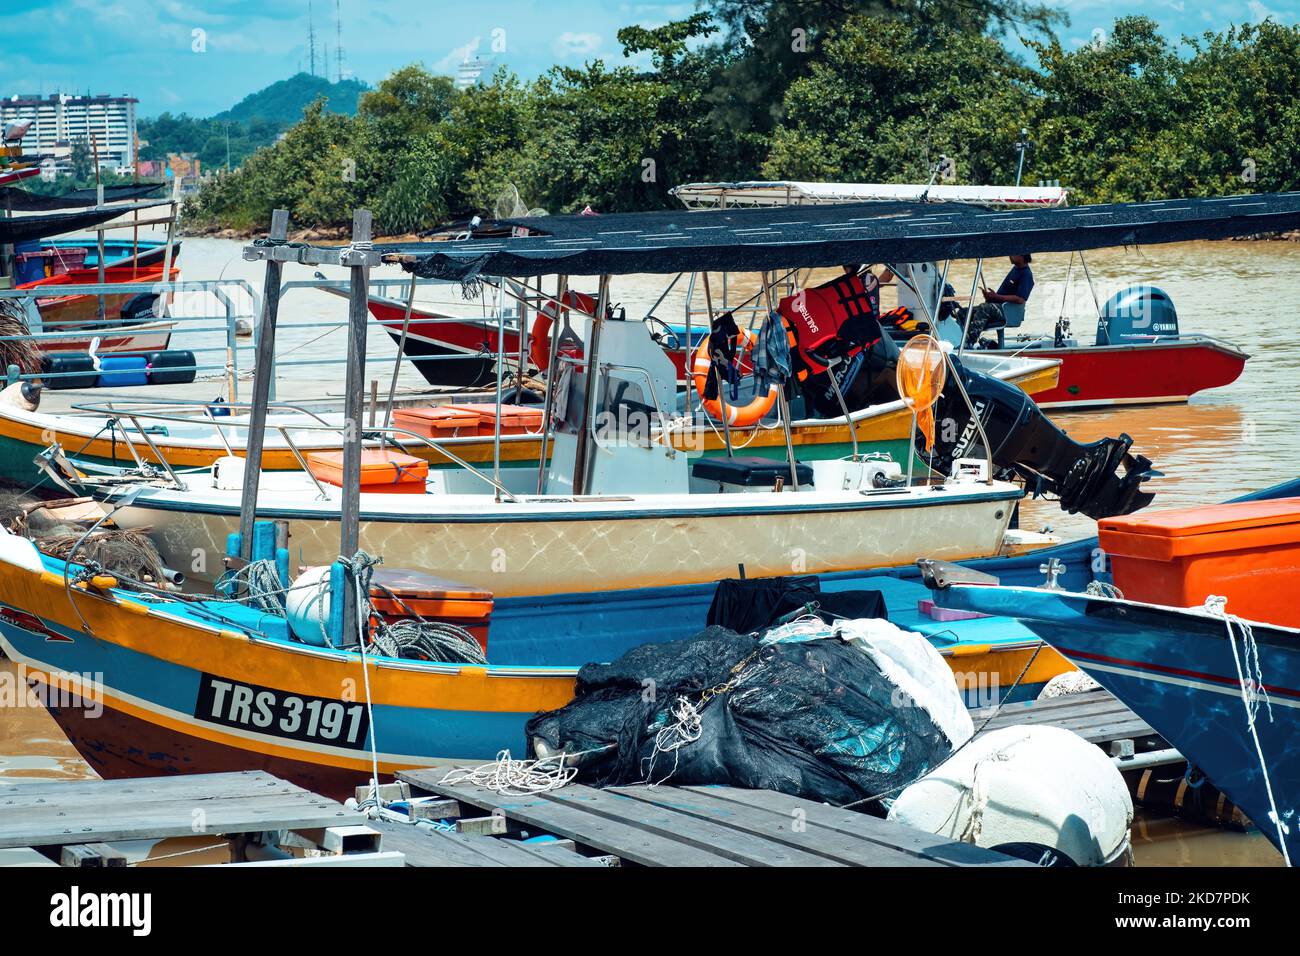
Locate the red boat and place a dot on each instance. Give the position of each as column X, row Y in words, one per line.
column 78, row 315
column 1147, row 373
column 432, row 334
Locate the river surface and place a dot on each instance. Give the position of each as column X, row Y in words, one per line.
column 1223, row 443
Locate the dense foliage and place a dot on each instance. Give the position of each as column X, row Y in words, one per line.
column 234, row 135
column 854, row 90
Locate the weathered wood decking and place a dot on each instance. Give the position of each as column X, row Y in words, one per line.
column 671, row 826
column 69, row 821
column 1096, row 715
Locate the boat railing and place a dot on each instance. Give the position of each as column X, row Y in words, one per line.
column 214, row 307
column 383, row 434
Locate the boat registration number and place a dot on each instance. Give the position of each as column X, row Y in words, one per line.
column 271, row 711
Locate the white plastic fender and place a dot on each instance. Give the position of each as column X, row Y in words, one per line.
column 1039, row 785
column 307, row 605
column 228, row 473
column 20, row 552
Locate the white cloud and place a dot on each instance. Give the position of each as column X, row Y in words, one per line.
column 576, row 45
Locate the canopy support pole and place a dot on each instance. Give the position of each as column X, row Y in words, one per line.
column 784, row 403
column 970, row 305
column 581, row 463
column 397, row 362
column 561, row 287
column 263, row 372
column 722, row 392
column 350, row 512
column 501, row 371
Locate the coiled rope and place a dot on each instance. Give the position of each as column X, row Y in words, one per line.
column 518, row 777
column 1250, row 679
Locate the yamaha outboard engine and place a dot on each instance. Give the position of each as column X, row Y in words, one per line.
column 1136, row 314
column 1026, row 443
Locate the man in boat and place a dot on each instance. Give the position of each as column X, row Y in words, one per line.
column 1006, row 306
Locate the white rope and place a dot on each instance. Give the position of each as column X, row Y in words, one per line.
column 1103, row 589
column 519, row 777
column 686, row 728
column 1252, row 689
column 363, row 635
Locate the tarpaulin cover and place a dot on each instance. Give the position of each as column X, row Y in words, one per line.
column 24, row 228
column 20, row 200
column 764, row 239
column 752, row 604
column 815, row 719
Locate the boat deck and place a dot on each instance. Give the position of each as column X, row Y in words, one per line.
column 663, row 826
column 71, row 822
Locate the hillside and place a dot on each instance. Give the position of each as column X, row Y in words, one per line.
column 283, row 101
column 256, row 121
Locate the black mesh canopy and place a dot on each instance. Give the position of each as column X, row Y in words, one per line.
column 20, row 200
column 25, row 228
column 787, row 237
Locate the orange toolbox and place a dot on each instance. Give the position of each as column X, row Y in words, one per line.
column 383, row 472
column 515, row 419
column 438, row 421
column 432, row 598
column 1248, row 552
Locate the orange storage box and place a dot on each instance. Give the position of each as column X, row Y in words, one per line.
column 432, row 598
column 384, row 472
column 515, row 419
column 437, row 421
column 1248, row 552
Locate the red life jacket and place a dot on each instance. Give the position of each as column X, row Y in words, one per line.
column 815, row 316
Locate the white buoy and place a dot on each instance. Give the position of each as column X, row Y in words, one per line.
column 307, row 605
column 1044, row 789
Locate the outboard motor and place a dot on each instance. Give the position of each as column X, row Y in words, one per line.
column 1027, row 444
column 1138, row 313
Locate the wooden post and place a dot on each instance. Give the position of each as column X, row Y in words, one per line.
column 263, row 373
column 99, row 242
column 349, row 534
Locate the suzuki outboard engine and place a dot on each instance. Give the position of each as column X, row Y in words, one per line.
column 1137, row 314
column 1026, row 443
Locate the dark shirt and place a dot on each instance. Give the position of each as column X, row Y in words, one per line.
column 1019, row 281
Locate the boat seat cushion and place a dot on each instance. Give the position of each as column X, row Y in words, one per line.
column 750, row 471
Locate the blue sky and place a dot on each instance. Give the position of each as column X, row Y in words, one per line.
column 202, row 57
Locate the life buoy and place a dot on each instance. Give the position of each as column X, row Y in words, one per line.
column 736, row 414
column 539, row 348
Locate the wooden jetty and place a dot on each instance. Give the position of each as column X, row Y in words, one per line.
column 1095, row 715
column 71, row 822
column 661, row 826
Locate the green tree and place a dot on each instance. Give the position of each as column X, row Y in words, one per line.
column 886, row 99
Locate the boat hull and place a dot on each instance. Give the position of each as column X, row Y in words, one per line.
column 1151, row 373
column 134, row 691
column 1176, row 670
column 595, row 545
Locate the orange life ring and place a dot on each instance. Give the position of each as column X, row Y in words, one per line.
column 740, row 415
column 539, row 348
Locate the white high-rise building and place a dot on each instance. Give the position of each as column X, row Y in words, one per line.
column 105, row 123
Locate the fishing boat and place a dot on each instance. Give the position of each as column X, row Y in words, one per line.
column 79, row 323
column 1197, row 635
column 107, row 434
column 1138, row 355
column 617, row 503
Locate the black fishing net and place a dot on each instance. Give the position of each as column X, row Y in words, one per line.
column 814, row 719
column 754, row 604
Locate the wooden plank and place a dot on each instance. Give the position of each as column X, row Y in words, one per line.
column 52, row 825
column 557, row 853
column 865, row 827
column 829, row 846
column 1056, row 714
column 608, row 836
column 752, row 846
column 425, row 848
column 74, row 793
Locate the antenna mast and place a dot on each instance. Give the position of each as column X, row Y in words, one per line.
column 311, row 40
column 338, row 39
